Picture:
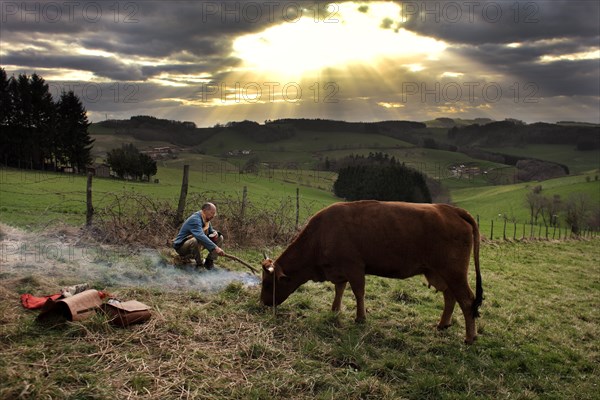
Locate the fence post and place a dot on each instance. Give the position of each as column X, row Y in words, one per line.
column 182, row 195
column 492, row 231
column 515, row 231
column 89, row 215
column 504, row 230
column 244, row 202
column 297, row 207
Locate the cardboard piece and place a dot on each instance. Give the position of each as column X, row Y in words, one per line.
column 74, row 308
column 127, row 312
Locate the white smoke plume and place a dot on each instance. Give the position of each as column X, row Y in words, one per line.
column 63, row 258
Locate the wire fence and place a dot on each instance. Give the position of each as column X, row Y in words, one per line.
column 511, row 230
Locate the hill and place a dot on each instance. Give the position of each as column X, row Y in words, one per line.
column 287, row 155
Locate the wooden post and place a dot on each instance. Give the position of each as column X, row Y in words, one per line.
column 89, row 215
column 244, row 202
column 297, row 207
column 504, row 230
column 182, row 195
column 492, row 232
column 515, row 231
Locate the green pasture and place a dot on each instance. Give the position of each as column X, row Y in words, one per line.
column 509, row 201
column 39, row 198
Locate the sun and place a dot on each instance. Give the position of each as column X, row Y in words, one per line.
column 354, row 33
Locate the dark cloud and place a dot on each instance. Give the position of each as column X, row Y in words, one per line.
column 504, row 21
column 107, row 67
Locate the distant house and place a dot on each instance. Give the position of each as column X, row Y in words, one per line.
column 239, row 152
column 100, row 170
column 160, row 153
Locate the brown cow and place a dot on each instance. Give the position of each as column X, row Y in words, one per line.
column 346, row 241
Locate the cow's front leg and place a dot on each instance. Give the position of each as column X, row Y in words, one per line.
column 449, row 303
column 358, row 288
column 337, row 301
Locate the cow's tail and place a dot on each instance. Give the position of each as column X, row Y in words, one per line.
column 478, row 283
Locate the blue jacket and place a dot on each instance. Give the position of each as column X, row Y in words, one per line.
column 193, row 226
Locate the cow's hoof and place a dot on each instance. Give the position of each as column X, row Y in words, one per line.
column 470, row 341
column 443, row 327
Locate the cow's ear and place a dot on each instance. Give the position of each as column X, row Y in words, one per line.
column 268, row 268
column 280, row 275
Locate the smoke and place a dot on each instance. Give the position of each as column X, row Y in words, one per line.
column 62, row 258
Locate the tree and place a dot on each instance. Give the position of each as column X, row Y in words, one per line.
column 148, row 166
column 9, row 138
column 577, row 209
column 36, row 131
column 535, row 202
column 128, row 162
column 551, row 208
column 74, row 141
column 42, row 142
column 378, row 177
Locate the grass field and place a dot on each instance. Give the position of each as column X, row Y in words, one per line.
column 538, row 337
column 497, row 202
column 30, row 198
column 38, row 198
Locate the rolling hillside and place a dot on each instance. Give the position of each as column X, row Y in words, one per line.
column 486, row 188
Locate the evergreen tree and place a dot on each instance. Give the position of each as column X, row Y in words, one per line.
column 75, row 141
column 380, row 178
column 43, row 123
column 8, row 142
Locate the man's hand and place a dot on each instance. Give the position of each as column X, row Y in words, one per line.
column 219, row 251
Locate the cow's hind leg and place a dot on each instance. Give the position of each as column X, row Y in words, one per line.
column 465, row 298
column 339, row 292
column 449, row 303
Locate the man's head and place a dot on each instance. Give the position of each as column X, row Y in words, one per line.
column 209, row 210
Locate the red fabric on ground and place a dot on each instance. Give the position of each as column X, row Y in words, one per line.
column 33, row 303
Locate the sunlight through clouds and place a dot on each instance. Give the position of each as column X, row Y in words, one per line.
column 355, row 37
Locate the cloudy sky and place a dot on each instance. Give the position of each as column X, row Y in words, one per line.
column 217, row 61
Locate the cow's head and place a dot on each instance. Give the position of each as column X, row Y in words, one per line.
column 275, row 284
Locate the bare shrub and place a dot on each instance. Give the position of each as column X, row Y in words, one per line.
column 133, row 218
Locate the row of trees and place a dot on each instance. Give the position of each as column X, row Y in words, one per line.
column 37, row 132
column 379, row 177
column 578, row 209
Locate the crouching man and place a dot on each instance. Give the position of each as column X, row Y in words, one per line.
column 196, row 234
